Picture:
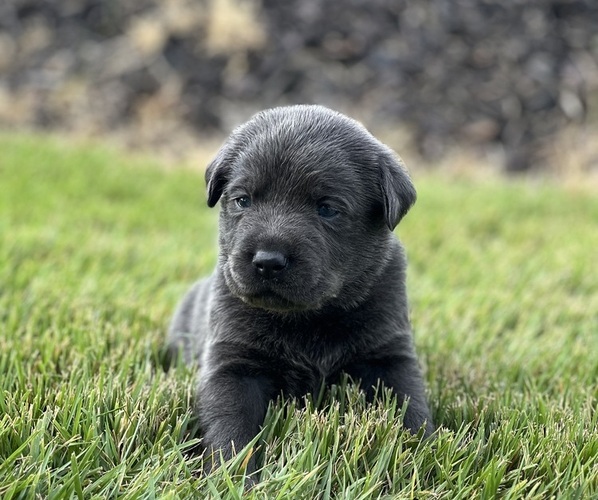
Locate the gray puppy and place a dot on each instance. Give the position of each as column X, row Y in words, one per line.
column 310, row 281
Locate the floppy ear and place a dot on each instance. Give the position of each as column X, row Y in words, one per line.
column 398, row 192
column 218, row 172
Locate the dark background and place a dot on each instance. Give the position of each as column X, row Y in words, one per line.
column 505, row 77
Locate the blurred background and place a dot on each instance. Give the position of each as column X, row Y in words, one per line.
column 509, row 84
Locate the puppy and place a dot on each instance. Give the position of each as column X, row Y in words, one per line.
column 310, row 281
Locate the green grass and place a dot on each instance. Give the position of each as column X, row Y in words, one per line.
column 95, row 250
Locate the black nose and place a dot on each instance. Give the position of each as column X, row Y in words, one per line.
column 269, row 264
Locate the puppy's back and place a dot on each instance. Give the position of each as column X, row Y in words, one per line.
column 189, row 326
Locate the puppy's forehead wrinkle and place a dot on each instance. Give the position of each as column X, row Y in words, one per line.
column 308, row 120
column 310, row 132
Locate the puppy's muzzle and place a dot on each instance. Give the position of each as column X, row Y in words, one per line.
column 270, row 264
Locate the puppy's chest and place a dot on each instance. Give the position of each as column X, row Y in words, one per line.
column 317, row 350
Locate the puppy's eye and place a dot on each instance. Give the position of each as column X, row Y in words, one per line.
column 243, row 201
column 326, row 211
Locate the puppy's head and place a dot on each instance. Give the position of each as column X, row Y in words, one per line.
column 309, row 199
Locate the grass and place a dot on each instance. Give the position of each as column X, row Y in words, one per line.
column 96, row 249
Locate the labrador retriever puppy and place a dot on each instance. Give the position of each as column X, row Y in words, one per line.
column 310, row 280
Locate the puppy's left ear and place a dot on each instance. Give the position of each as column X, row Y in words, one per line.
column 398, row 192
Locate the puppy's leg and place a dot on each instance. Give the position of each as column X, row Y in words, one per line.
column 402, row 374
column 233, row 399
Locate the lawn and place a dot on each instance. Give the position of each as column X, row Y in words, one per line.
column 96, row 248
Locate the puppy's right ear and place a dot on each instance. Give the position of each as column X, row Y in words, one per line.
column 217, row 174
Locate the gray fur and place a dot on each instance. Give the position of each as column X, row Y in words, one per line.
column 332, row 301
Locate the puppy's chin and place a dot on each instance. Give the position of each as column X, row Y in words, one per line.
column 271, row 301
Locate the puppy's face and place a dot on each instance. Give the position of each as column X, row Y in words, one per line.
column 308, row 202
